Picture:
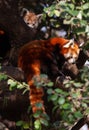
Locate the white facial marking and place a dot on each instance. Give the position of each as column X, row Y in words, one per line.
column 71, row 58
column 66, row 55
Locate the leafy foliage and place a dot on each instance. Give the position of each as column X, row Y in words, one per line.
column 23, row 125
column 13, row 84
column 72, row 102
column 72, row 14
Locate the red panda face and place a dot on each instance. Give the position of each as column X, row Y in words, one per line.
column 30, row 18
column 70, row 51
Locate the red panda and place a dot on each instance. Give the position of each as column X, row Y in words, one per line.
column 40, row 56
column 30, row 18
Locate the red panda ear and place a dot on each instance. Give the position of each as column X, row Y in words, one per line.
column 39, row 16
column 23, row 12
column 68, row 44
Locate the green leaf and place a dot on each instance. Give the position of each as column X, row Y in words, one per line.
column 37, row 114
column 61, row 100
column 19, row 123
column 50, row 91
column 38, row 104
column 50, row 14
column 37, row 124
column 66, row 106
column 69, row 6
column 26, row 125
column 77, row 84
column 54, row 97
column 20, row 86
column 58, row 90
column 57, row 13
column 3, row 77
column 12, row 83
column 44, row 121
column 87, row 111
column 45, row 10
column 73, row 12
column 75, row 21
column 43, row 76
column 85, row 6
column 50, row 84
column 84, row 105
column 83, row 23
column 61, row 92
column 78, row 114
column 52, row 7
column 45, row 116
column 74, row 95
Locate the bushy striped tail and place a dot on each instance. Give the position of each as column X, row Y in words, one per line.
column 35, row 97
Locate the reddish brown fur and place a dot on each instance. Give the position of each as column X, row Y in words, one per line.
column 31, row 19
column 33, row 57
